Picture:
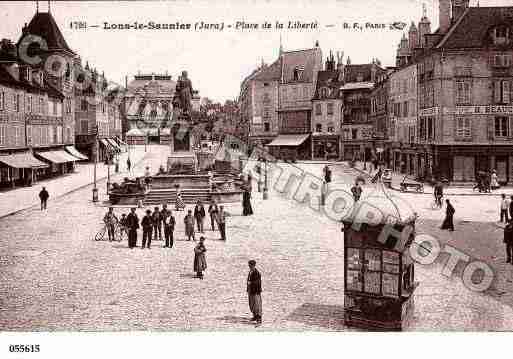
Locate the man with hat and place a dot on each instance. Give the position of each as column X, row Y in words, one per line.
column 147, row 224
column 254, row 289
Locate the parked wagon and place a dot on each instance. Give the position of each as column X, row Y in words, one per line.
column 407, row 185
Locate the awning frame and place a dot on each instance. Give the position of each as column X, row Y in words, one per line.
column 289, row 140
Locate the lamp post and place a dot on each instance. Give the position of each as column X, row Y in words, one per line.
column 109, row 156
column 364, row 160
column 95, row 149
column 265, row 195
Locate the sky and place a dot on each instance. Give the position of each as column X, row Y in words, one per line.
column 218, row 60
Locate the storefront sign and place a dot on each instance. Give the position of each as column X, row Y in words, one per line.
column 432, row 111
column 479, row 110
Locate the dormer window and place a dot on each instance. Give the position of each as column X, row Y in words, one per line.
column 324, row 92
column 501, row 35
column 298, row 73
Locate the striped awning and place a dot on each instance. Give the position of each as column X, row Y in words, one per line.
column 74, row 152
column 289, row 140
column 58, row 156
column 113, row 144
column 22, row 160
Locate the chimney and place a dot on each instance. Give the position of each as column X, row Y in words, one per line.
column 373, row 72
column 458, row 8
column 424, row 27
column 24, row 30
column 444, row 14
column 413, row 36
column 126, row 82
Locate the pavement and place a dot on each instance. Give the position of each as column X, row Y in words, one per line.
column 397, row 178
column 15, row 200
column 55, row 277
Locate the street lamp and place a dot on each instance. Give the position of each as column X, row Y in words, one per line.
column 95, row 150
column 109, row 156
column 265, row 195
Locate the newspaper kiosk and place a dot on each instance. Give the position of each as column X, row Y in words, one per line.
column 378, row 270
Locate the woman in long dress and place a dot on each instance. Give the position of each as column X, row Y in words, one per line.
column 449, row 217
column 494, row 180
column 179, row 205
column 200, row 261
column 247, row 210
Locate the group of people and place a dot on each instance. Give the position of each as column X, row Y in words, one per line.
column 486, row 182
column 160, row 224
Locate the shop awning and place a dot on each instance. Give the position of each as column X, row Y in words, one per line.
column 57, row 157
column 113, row 144
column 74, row 152
column 289, row 140
column 22, row 160
column 107, row 145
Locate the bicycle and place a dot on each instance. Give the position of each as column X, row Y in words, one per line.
column 437, row 203
column 120, row 233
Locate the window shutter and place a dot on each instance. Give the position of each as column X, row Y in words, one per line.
column 505, row 91
column 497, row 92
column 491, row 124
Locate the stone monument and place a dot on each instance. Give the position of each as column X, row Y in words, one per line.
column 181, row 124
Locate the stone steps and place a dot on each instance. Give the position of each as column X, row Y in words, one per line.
column 189, row 196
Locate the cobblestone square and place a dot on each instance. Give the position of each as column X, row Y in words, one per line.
column 54, row 276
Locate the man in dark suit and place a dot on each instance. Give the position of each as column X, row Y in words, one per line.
column 43, row 196
column 132, row 223
column 169, row 226
column 254, row 290
column 508, row 240
column 147, row 224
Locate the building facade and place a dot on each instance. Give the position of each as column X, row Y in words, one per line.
column 357, row 128
column 403, row 119
column 464, row 72
column 327, row 111
column 299, row 70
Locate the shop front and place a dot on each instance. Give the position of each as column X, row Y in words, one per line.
column 462, row 163
column 291, row 147
column 59, row 161
column 19, row 169
column 325, row 147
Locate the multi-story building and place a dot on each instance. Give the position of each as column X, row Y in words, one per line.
column 298, row 79
column 464, row 70
column 258, row 102
column 357, row 126
column 379, row 115
column 327, row 110
column 34, row 133
column 402, row 123
column 148, row 106
column 275, row 100
column 98, row 127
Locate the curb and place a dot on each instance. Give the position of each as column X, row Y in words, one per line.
column 101, row 179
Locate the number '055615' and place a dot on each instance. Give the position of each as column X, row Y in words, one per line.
column 24, row 348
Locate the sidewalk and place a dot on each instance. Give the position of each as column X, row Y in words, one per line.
column 397, row 178
column 25, row 197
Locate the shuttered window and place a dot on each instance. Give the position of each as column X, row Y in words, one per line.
column 463, row 127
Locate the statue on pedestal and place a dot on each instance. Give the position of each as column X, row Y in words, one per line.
column 183, row 96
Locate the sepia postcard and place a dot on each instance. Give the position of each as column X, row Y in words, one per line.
column 233, row 178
